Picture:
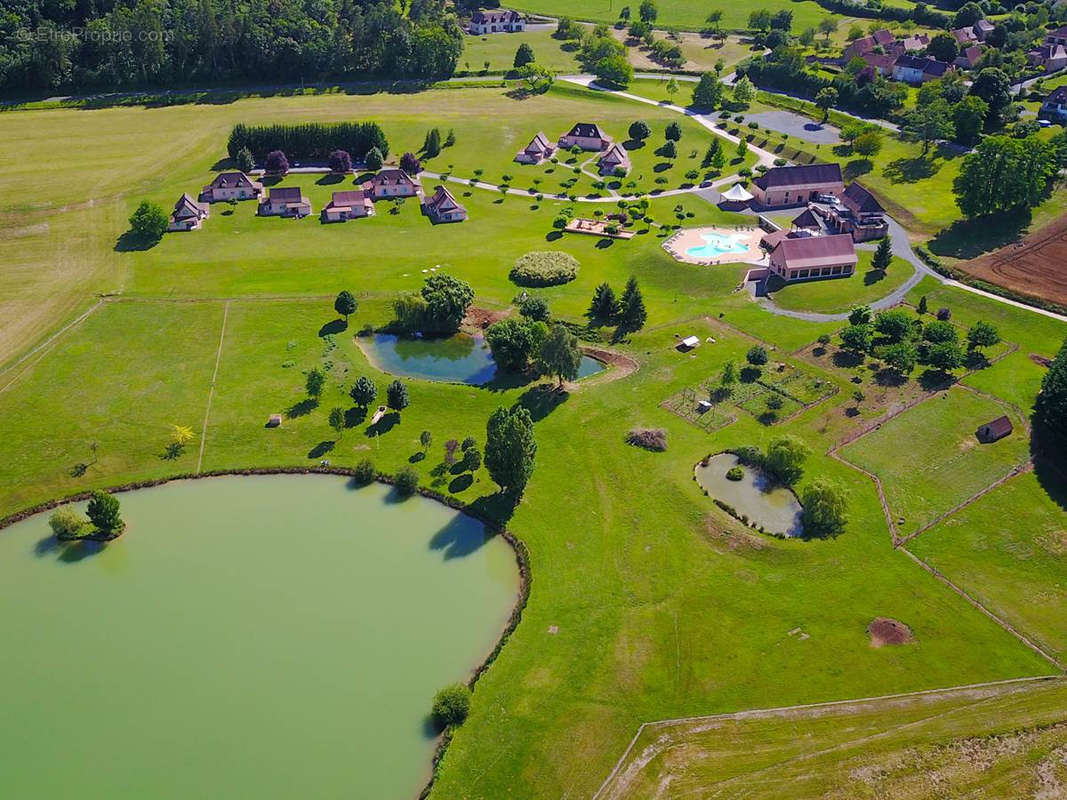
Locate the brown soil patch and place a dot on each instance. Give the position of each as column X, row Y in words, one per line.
column 481, row 318
column 1033, row 266
column 884, row 631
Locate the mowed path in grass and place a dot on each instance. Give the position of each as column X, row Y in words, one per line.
column 929, row 459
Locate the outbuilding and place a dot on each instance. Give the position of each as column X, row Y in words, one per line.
column 995, row 430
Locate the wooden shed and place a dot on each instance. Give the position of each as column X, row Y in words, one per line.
column 992, row 431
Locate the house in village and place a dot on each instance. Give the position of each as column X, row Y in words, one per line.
column 231, row 186
column 344, row 206
column 880, row 39
column 587, row 136
column 856, row 212
column 912, row 44
column 1052, row 54
column 285, row 201
column 982, row 29
column 968, row 57
column 187, row 214
column 918, row 69
column 794, row 186
column 614, row 158
column 880, row 63
column 798, row 258
column 538, row 150
column 994, row 431
column 1054, row 106
column 497, row 20
column 965, row 37
column 389, row 183
column 442, row 206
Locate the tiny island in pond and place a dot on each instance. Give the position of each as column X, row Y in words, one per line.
column 439, row 400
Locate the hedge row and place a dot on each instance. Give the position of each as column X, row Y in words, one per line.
column 309, row 141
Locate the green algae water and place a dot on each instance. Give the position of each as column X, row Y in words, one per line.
column 264, row 636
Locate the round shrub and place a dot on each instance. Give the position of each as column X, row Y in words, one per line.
column 364, row 472
column 407, row 481
column 735, row 473
column 544, row 268
column 451, row 705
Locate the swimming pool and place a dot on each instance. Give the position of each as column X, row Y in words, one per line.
column 718, row 244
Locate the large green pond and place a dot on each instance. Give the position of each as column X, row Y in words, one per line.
column 268, row 636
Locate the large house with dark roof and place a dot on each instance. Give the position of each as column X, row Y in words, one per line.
column 809, row 257
column 187, row 214
column 794, row 186
column 1054, row 106
column 1051, row 56
column 539, row 149
column 586, row 135
column 856, row 212
column 231, row 186
column 497, row 20
column 918, row 69
column 389, row 183
column 442, row 206
column 285, row 201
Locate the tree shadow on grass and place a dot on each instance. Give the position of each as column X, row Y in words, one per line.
column 131, row 242
column 553, row 236
column 505, row 380
column 911, row 170
column 932, row 380
column 856, row 168
column 330, row 179
column 542, row 400
column 970, row 238
column 384, row 425
column 355, row 416
column 461, row 483
column 873, row 276
column 604, row 244
column 889, row 377
column 321, row 449
column 302, row 408
column 846, row 359
column 1050, row 462
column 499, row 507
column 749, row 374
column 334, row 327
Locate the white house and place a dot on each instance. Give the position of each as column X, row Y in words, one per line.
column 285, row 201
column 496, row 21
column 586, row 135
column 188, row 214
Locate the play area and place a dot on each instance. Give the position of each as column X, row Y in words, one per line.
column 717, row 245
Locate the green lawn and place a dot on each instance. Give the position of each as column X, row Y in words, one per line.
column 499, row 50
column 659, row 605
column 1008, row 551
column 866, row 286
column 677, row 13
column 930, row 460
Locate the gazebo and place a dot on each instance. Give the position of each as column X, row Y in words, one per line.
column 736, row 195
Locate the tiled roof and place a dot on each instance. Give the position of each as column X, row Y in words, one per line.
column 286, row 194
column 817, row 251
column 586, row 130
column 859, row 200
column 784, row 177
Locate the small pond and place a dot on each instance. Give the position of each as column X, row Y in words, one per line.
column 263, row 636
column 460, row 358
column 774, row 507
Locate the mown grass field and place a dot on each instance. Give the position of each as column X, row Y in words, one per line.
column 866, row 286
column 930, row 460
column 989, row 743
column 499, row 50
column 1007, row 550
column 661, row 606
column 678, row 13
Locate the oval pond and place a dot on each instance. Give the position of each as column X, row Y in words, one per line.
column 263, row 636
column 774, row 507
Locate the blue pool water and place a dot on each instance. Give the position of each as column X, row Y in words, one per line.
column 717, row 244
column 456, row 359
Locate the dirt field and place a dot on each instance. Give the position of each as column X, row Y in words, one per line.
column 1035, row 266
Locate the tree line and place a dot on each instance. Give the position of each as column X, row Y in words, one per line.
column 148, row 43
column 313, row 141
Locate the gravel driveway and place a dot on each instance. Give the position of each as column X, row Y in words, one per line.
column 796, row 125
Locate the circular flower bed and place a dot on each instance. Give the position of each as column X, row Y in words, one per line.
column 544, row 268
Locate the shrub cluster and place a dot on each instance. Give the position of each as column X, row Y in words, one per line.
column 649, row 438
column 309, row 141
column 544, row 268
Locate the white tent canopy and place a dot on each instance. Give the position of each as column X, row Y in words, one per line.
column 737, row 194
